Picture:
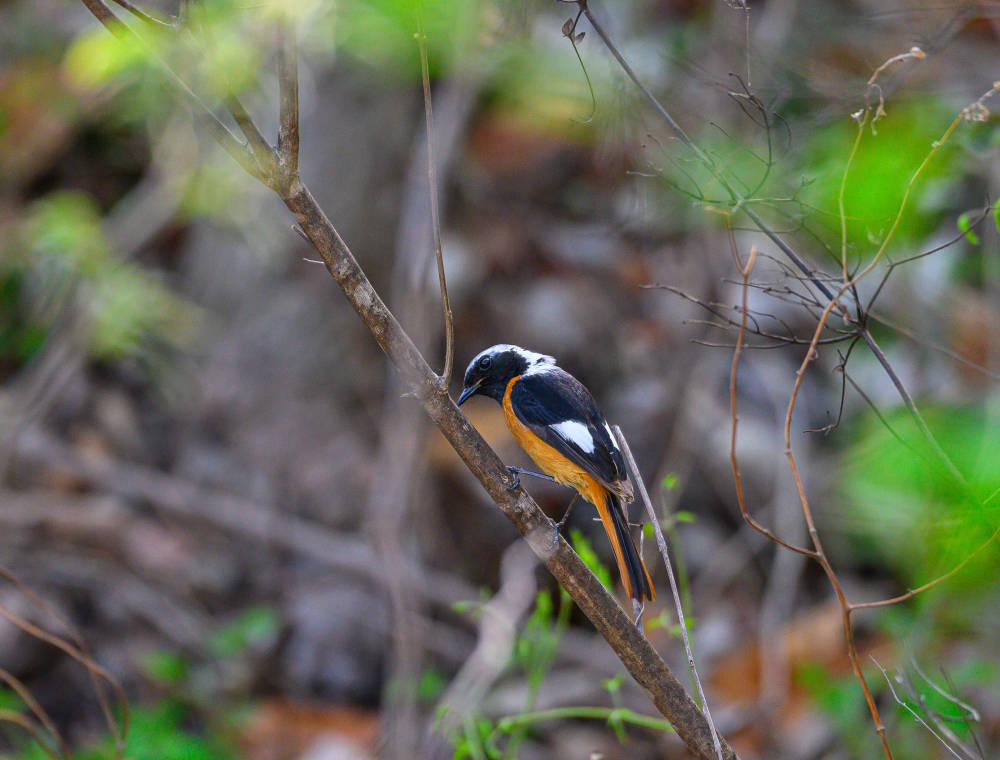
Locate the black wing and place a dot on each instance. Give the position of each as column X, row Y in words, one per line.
column 549, row 403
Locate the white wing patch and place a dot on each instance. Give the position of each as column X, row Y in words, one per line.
column 614, row 441
column 576, row 432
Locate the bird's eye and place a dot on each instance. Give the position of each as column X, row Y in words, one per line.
column 485, row 362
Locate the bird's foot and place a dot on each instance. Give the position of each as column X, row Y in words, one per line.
column 558, row 525
column 556, row 529
column 517, row 478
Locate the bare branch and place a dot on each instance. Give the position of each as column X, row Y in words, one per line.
column 733, row 460
column 288, row 85
column 611, row 621
column 36, row 709
column 449, row 322
column 141, row 15
column 259, row 146
column 32, row 727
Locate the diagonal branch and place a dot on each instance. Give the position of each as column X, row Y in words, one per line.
column 259, row 146
column 288, row 87
column 611, row 621
column 141, row 15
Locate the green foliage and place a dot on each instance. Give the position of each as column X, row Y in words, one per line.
column 66, row 254
column 965, row 225
column 64, row 229
column 97, row 59
column 168, row 668
column 381, row 32
column 131, row 72
column 910, row 513
column 586, row 551
column 883, row 165
column 20, row 337
column 535, row 651
column 258, row 626
column 839, row 698
column 431, row 686
column 163, row 731
column 842, row 702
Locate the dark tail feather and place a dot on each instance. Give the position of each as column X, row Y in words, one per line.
column 642, row 584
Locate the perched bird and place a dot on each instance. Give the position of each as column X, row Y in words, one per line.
column 556, row 420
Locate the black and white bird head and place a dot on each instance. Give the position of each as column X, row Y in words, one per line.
column 492, row 369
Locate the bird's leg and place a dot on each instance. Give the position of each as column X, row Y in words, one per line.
column 518, row 471
column 565, row 517
column 637, row 608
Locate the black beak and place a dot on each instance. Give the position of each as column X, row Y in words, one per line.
column 468, row 393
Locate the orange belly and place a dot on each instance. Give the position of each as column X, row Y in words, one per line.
column 550, row 461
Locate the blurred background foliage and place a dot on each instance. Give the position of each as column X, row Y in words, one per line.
column 196, row 434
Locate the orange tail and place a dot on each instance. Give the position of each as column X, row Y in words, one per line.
column 633, row 571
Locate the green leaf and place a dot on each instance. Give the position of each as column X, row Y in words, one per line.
column 167, row 667
column 663, row 620
column 910, row 516
column 9, row 700
column 590, row 558
column 965, row 225
column 65, row 230
column 431, row 685
column 613, row 685
column 256, row 627
column 96, row 58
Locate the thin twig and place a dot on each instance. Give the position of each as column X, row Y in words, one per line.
column 142, row 15
column 970, row 711
column 261, row 148
column 97, row 674
column 820, row 554
column 913, row 712
column 740, row 203
column 449, row 321
column 968, row 725
column 36, row 709
column 661, row 542
column 734, row 414
column 32, row 727
column 930, row 584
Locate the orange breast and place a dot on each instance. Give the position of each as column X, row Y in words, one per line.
column 547, row 458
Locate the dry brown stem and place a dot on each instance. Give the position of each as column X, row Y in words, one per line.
column 449, row 320
column 661, row 543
